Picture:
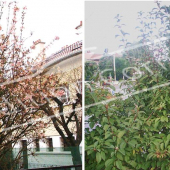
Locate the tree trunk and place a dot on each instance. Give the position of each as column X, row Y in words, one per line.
column 25, row 154
column 76, row 157
column 6, row 161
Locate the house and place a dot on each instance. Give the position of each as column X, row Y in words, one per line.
column 67, row 60
column 93, row 57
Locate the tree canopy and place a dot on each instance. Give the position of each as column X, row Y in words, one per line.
column 29, row 98
column 131, row 131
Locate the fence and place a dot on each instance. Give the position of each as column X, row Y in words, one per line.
column 72, row 167
column 57, row 158
column 66, row 51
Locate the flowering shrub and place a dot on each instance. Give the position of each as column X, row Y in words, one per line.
column 27, row 93
column 132, row 131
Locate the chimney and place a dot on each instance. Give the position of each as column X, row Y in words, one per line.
column 38, row 51
column 79, row 26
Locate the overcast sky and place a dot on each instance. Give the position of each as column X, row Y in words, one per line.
column 99, row 22
column 50, row 18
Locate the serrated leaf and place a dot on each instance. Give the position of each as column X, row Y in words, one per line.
column 157, row 119
column 132, row 143
column 120, row 134
column 168, row 137
column 162, row 146
column 100, row 166
column 108, row 162
column 106, row 127
column 133, row 163
column 107, row 134
column 123, row 145
column 119, row 156
column 122, row 151
column 164, row 119
column 105, row 119
column 103, row 155
column 119, row 164
column 91, row 125
column 98, row 157
column 166, row 143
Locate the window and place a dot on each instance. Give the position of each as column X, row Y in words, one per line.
column 37, row 145
column 50, row 144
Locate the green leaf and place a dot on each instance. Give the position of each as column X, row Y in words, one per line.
column 164, row 119
column 168, row 137
column 91, row 125
column 94, row 97
column 119, row 164
column 100, row 166
column 133, row 163
column 147, row 165
column 137, row 97
column 119, row 156
column 105, row 119
column 157, row 119
column 127, row 158
column 118, row 141
column 163, row 166
column 98, row 157
column 162, row 146
column 132, row 143
column 123, row 145
column 96, row 143
column 103, row 155
column 153, row 164
column 106, row 127
column 120, row 134
column 156, row 124
column 149, row 156
column 108, row 162
column 107, row 134
column 122, row 151
column 90, row 152
column 166, row 143
column 164, row 112
column 159, row 163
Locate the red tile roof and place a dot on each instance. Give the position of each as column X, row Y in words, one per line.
column 66, row 51
column 92, row 56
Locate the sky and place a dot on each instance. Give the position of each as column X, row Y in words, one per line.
column 50, row 18
column 99, row 22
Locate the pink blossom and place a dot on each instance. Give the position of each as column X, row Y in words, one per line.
column 3, row 87
column 57, row 38
column 16, row 9
column 22, row 28
column 28, row 96
column 19, row 64
column 33, row 47
column 2, row 47
column 60, row 93
column 12, row 64
column 14, row 20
